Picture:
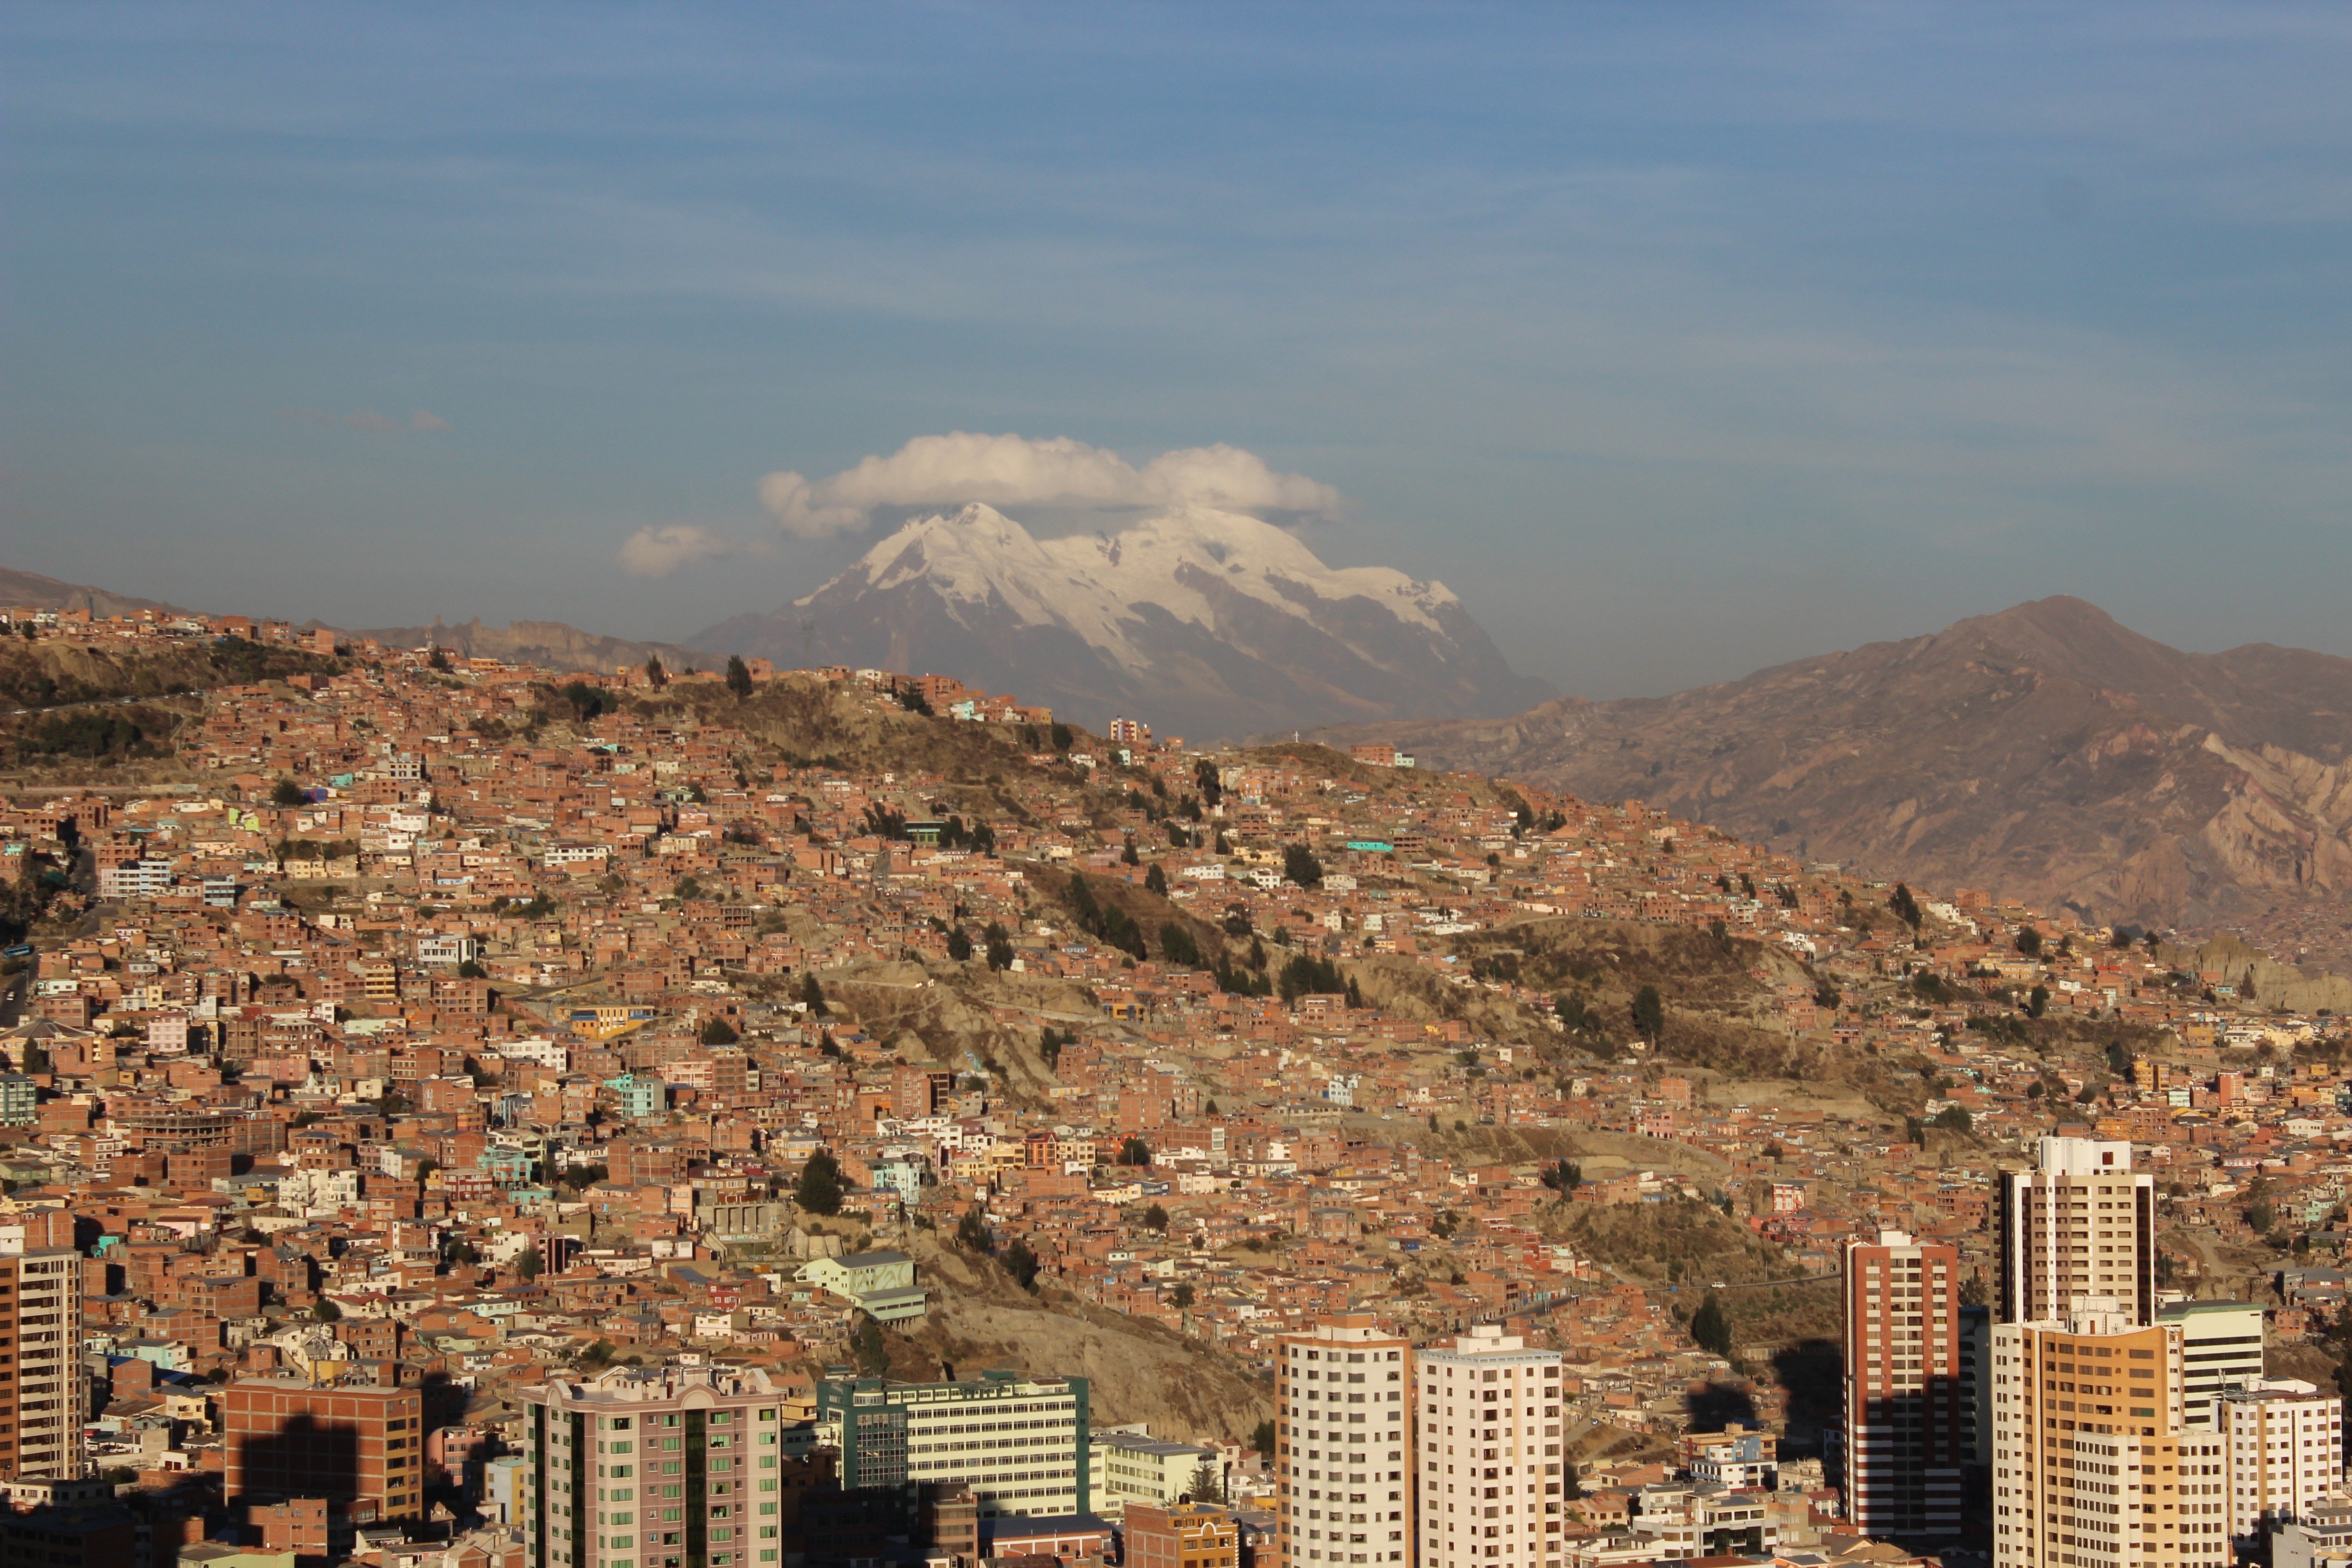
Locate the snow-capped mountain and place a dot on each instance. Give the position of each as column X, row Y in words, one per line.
column 1206, row 623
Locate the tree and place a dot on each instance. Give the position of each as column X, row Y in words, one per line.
column 1000, row 945
column 1905, row 908
column 1710, row 1329
column 1021, row 1263
column 813, row 995
column 1155, row 1217
column 2120, row 1061
column 1062, row 737
column 655, row 672
column 1206, row 1485
column 529, row 1263
column 2037, row 1002
column 1649, row 1013
column 1299, row 865
column 738, row 677
column 1561, row 1176
column 1262, row 1439
column 1155, row 880
column 1181, row 1298
column 2029, row 941
column 326, row 1311
column 1134, row 1151
column 1953, row 1118
column 289, row 793
column 438, row 660
column 1127, row 857
column 819, row 1189
column 972, row 1231
column 720, row 1032
column 867, row 1344
column 1176, row 944
column 958, row 944
column 598, row 1354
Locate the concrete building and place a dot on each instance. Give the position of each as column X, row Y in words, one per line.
column 2285, row 1443
column 44, row 1395
column 1132, row 1468
column 1022, row 1444
column 2223, row 1341
column 1340, row 1443
column 2323, row 1539
column 2080, row 1223
column 1489, row 1409
column 643, row 1466
column 2077, row 1406
column 879, row 1284
column 1906, row 1433
column 1976, row 1380
column 361, row 1443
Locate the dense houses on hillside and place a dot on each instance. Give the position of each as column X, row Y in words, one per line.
column 441, row 1030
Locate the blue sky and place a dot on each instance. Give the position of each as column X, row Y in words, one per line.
column 1677, row 338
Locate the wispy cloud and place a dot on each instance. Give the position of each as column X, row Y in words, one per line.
column 1014, row 470
column 658, row 551
column 424, row 422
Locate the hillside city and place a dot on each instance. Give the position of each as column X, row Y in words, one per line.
column 989, row 1124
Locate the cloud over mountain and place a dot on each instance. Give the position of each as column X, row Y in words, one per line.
column 959, row 468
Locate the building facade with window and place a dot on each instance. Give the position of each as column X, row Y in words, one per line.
column 1342, row 1425
column 1489, row 1484
column 1022, row 1444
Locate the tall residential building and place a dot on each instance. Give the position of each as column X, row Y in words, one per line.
column 2285, row 1443
column 2092, row 1466
column 2080, row 1223
column 360, row 1444
column 1020, row 1444
column 2223, row 1341
column 1340, row 1443
column 43, row 1394
column 1489, row 1487
column 653, row 1467
column 1906, row 1426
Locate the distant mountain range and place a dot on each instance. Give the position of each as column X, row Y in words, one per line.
column 2046, row 751
column 36, row 592
column 1208, row 624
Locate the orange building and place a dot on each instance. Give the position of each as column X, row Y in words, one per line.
column 359, row 1444
column 1189, row 1535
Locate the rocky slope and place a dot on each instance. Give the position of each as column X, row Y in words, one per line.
column 1210, row 624
column 551, row 643
column 2046, row 753
column 35, row 590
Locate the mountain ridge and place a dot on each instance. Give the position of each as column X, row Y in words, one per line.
column 2045, row 751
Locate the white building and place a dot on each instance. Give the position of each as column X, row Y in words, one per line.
column 2284, row 1440
column 1131, row 1466
column 2223, row 1341
column 1489, row 1409
column 1341, row 1425
column 1022, row 1444
column 2078, row 1224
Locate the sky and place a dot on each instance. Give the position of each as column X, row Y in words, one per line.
column 1677, row 340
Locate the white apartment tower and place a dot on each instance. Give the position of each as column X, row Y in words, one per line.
column 2284, row 1440
column 1488, row 1481
column 44, row 1394
column 2223, row 1341
column 2092, row 1465
column 1342, row 1418
column 2080, row 1223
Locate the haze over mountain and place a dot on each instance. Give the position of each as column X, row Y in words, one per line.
column 2046, row 751
column 35, row 590
column 1207, row 622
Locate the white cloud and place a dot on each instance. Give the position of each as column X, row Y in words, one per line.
column 426, row 423
column 658, row 551
column 1012, row 470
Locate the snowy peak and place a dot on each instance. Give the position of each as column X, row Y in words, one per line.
column 1207, row 622
column 1184, row 563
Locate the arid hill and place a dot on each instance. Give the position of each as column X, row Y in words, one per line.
column 2046, row 753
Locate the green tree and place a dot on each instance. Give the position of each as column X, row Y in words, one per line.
column 1206, row 1485
column 1000, row 945
column 1155, row 880
column 738, row 676
column 326, row 1311
column 1905, row 908
column 958, row 944
column 2029, row 941
column 1021, row 1263
column 289, row 793
column 1181, row 1298
column 867, row 1345
column 1710, row 1329
column 1299, row 865
column 972, row 1231
column 720, row 1032
column 1176, row 944
column 819, row 1189
column 1649, row 1013
column 813, row 995
column 1155, row 1217
column 1953, row 1118
column 1262, row 1439
column 529, row 1263
column 2037, row 1002
column 655, row 672
column 1134, row 1151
